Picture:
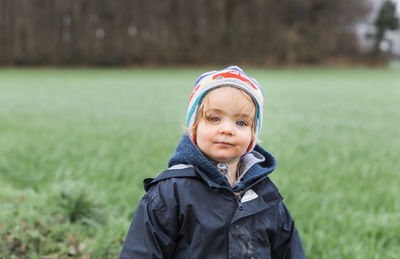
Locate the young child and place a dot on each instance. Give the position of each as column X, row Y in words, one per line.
column 216, row 199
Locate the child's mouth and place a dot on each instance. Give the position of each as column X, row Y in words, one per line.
column 223, row 144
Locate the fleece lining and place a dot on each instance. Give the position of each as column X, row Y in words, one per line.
column 256, row 164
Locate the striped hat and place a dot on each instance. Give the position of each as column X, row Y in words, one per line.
column 231, row 76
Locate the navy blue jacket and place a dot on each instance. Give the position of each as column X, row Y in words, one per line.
column 192, row 212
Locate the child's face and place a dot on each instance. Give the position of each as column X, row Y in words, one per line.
column 225, row 132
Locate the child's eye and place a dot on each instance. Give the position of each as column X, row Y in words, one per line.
column 213, row 118
column 241, row 123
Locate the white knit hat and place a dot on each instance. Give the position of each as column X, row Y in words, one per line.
column 231, row 76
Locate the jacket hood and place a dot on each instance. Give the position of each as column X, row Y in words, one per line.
column 188, row 153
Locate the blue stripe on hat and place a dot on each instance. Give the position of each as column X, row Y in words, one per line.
column 202, row 76
column 194, row 106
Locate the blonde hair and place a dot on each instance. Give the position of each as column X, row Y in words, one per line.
column 201, row 112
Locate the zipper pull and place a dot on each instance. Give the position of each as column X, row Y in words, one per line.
column 240, row 205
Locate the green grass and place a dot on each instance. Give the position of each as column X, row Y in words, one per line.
column 76, row 144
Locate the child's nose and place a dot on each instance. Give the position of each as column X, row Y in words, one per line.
column 226, row 127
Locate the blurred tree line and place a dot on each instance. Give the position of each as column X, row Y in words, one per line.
column 123, row 32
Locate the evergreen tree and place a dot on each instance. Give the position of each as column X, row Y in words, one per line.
column 386, row 21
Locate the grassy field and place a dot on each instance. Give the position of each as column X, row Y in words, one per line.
column 76, row 144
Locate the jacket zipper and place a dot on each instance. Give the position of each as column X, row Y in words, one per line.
column 239, row 202
column 236, row 197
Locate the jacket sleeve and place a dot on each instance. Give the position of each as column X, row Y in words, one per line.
column 153, row 231
column 287, row 243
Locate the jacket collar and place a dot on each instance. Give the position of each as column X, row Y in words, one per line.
column 188, row 153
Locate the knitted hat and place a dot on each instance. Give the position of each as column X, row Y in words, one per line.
column 231, row 76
